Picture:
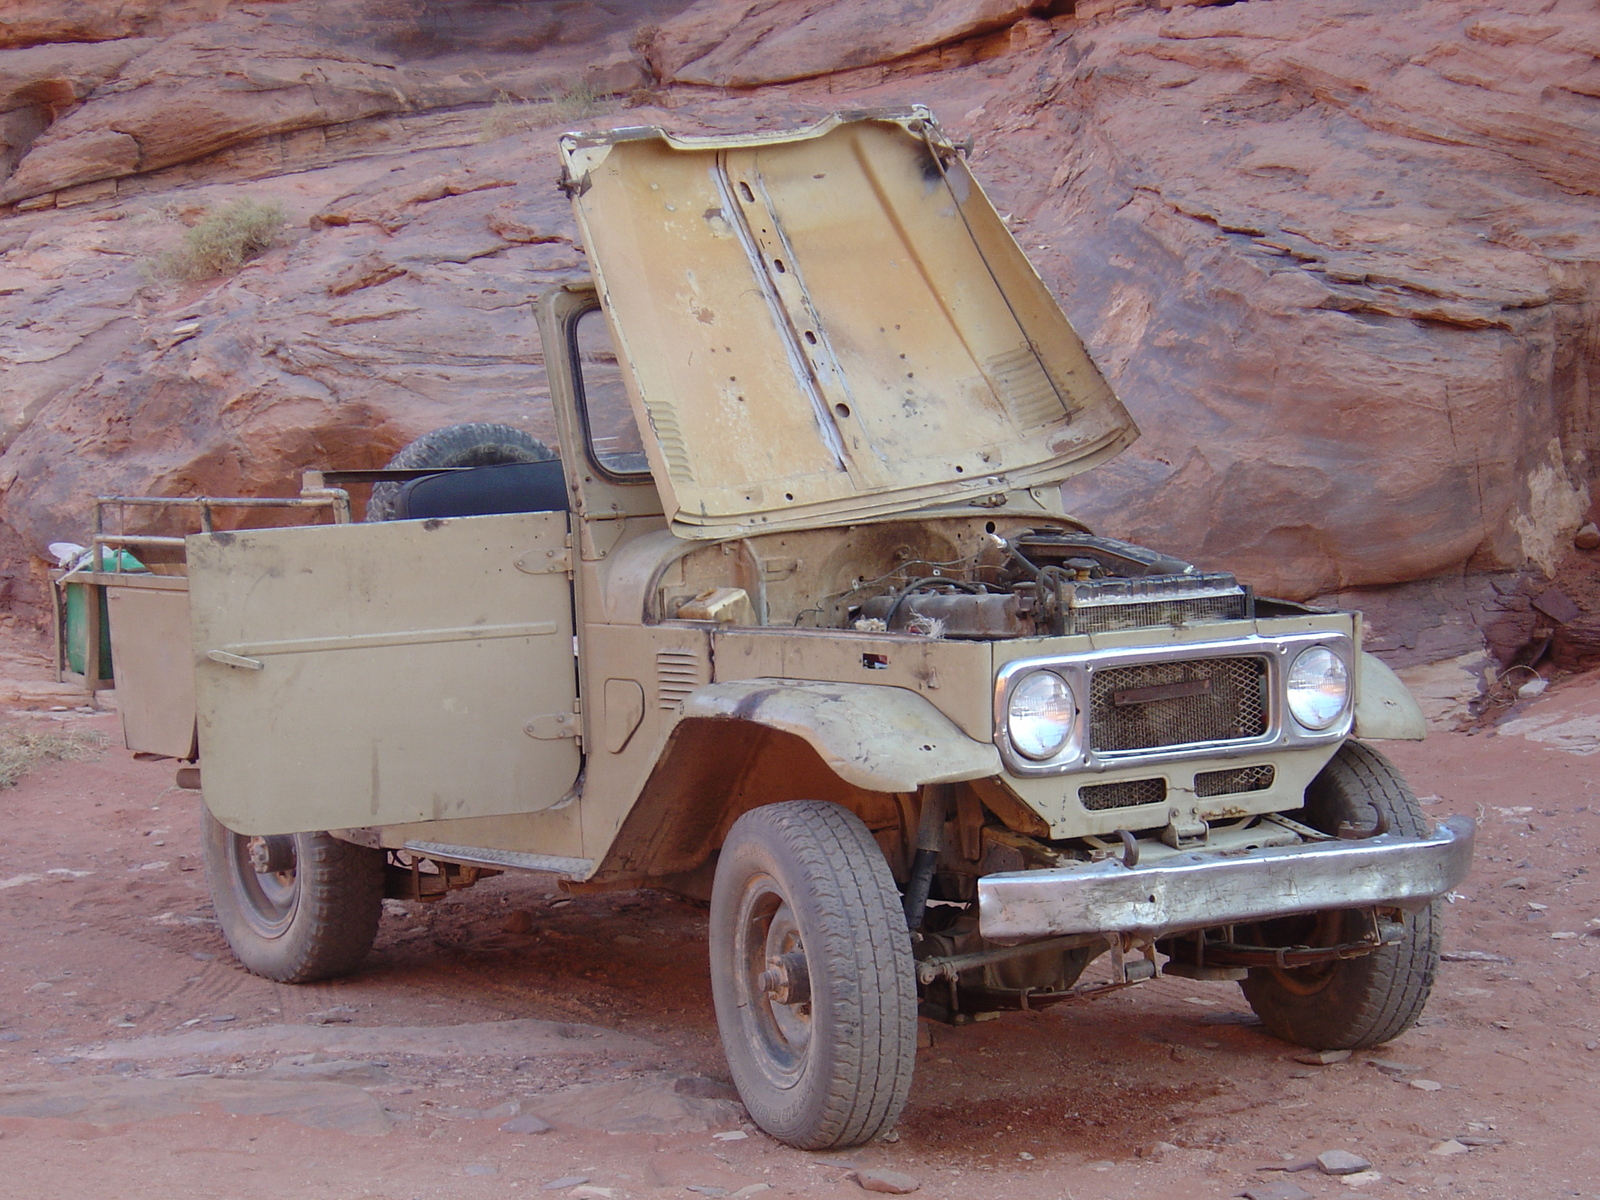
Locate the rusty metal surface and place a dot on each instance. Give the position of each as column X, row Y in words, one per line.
column 887, row 739
column 400, row 666
column 785, row 384
column 1194, row 889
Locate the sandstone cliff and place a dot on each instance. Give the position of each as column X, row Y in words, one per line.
column 1338, row 257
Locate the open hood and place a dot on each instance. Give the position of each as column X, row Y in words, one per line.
column 829, row 324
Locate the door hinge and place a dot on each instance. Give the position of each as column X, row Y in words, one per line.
column 552, row 727
column 550, row 560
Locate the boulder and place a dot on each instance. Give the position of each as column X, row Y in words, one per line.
column 746, row 43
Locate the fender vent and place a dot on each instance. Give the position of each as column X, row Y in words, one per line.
column 1126, row 793
column 678, row 672
column 1231, row 782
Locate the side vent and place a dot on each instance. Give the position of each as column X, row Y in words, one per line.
column 678, row 672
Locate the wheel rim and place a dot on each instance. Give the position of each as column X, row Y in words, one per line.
column 267, row 899
column 779, row 1033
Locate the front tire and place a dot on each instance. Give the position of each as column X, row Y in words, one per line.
column 294, row 907
column 1355, row 1002
column 812, row 975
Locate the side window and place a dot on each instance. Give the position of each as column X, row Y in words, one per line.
column 608, row 423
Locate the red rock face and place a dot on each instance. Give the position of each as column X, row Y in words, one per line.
column 1339, row 258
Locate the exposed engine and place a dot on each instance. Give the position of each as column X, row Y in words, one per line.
column 1050, row 583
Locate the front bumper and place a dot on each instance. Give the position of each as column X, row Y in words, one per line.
column 1196, row 890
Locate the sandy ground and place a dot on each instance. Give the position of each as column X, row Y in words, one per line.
column 334, row 1090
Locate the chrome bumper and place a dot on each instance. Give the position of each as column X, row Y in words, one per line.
column 1196, row 889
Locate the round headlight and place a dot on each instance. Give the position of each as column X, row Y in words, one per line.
column 1318, row 687
column 1040, row 715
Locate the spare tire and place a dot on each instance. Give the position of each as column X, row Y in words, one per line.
column 473, row 444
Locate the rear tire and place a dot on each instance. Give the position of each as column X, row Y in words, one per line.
column 1359, row 1001
column 313, row 917
column 472, row 444
column 804, row 884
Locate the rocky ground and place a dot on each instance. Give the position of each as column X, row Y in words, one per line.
column 137, row 1060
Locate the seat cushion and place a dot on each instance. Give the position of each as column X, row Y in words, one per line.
column 479, row 491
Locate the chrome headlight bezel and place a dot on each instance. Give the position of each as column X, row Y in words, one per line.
column 1029, row 743
column 1318, row 687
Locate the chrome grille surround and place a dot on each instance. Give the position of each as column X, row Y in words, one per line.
column 1192, row 721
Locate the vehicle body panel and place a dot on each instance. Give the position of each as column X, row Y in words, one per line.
column 361, row 675
column 785, row 383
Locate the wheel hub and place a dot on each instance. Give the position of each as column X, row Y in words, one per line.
column 786, row 979
column 271, row 855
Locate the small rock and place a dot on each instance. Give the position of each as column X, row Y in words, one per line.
column 1425, row 1085
column 1361, row 1179
column 750, row 1189
column 627, row 939
column 480, row 1169
column 731, row 1135
column 1156, row 1151
column 519, row 922
column 706, row 1189
column 1502, row 1024
column 893, row 1183
column 1390, row 1067
column 1282, row 1190
column 1563, row 936
column 1448, row 1147
column 1534, row 687
column 1536, row 906
column 1341, row 1162
column 1476, row 1139
column 1518, row 881
column 1024, row 1156
column 1587, row 537
column 1322, row 1058
column 1478, row 956
column 10, row 1035
column 562, row 1184
column 527, row 1124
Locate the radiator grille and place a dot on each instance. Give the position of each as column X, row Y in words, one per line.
column 1238, row 779
column 1206, row 700
column 1198, row 610
column 1125, row 793
column 677, row 674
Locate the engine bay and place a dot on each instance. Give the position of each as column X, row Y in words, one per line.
column 954, row 578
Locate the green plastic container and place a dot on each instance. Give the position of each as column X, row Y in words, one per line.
column 78, row 617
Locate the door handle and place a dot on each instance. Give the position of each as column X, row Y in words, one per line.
column 235, row 660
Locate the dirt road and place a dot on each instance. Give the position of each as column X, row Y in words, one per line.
column 137, row 1060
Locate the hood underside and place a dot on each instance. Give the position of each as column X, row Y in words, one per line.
column 829, row 324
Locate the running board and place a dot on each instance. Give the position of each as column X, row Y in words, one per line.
column 509, row 860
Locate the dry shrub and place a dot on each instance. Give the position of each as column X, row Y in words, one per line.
column 21, row 750
column 508, row 115
column 224, row 240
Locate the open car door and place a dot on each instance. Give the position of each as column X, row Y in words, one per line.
column 376, row 674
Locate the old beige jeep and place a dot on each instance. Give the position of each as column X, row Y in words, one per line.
column 795, row 621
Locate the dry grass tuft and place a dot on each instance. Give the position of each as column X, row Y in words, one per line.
column 508, row 115
column 21, row 750
column 224, row 240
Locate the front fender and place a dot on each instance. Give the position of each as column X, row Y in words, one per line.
column 1385, row 707
column 884, row 739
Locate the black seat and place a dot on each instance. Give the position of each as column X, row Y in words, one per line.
column 480, row 491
